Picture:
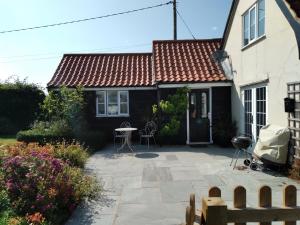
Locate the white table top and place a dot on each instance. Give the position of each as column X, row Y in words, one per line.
column 126, row 129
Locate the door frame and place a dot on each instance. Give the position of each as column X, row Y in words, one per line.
column 253, row 104
column 188, row 142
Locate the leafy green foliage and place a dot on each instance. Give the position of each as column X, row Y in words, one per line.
column 171, row 112
column 74, row 154
column 20, row 105
column 46, row 132
column 68, row 105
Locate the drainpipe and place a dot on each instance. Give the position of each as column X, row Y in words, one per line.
column 158, row 97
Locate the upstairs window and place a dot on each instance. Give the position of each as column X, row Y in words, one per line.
column 112, row 103
column 254, row 22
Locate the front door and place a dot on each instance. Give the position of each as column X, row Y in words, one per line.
column 199, row 114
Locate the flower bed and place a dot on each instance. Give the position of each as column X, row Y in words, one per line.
column 43, row 185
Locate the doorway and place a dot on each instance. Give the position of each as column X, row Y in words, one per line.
column 199, row 116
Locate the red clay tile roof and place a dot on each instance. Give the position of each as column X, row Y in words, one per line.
column 104, row 70
column 295, row 5
column 186, row 61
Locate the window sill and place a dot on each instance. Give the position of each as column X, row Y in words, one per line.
column 254, row 42
column 112, row 116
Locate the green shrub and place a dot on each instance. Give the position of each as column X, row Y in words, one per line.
column 7, row 126
column 46, row 132
column 93, row 139
column 4, row 200
column 170, row 112
column 42, row 138
column 20, row 105
column 74, row 154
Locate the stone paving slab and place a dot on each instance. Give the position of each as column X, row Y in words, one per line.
column 152, row 187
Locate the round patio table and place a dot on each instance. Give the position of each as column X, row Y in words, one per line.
column 127, row 141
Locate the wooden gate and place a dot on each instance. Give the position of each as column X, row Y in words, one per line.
column 294, row 119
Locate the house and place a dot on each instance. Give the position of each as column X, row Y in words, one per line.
column 260, row 51
column 124, row 86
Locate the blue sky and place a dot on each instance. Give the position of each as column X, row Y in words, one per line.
column 35, row 54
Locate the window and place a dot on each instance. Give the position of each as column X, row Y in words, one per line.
column 254, row 23
column 112, row 103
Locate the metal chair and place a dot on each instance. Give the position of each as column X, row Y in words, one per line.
column 120, row 135
column 148, row 132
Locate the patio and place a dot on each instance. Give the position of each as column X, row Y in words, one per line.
column 152, row 186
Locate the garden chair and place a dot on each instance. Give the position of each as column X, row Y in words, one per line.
column 121, row 135
column 148, row 132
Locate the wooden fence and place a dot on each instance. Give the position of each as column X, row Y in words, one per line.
column 215, row 211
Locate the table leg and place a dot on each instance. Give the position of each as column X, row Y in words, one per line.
column 129, row 142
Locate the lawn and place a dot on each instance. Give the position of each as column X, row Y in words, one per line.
column 5, row 140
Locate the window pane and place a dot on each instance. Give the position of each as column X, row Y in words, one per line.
column 112, row 109
column 100, row 97
column 252, row 24
column 261, row 17
column 123, row 108
column 123, row 96
column 246, row 28
column 112, row 97
column 101, row 109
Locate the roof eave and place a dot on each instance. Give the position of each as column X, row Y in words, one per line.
column 232, row 12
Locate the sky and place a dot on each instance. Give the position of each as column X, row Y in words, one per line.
column 35, row 54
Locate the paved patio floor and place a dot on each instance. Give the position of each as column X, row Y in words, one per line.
column 152, row 187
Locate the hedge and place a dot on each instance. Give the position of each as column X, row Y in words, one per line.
column 29, row 136
column 92, row 139
column 20, row 104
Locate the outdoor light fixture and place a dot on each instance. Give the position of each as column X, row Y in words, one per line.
column 289, row 105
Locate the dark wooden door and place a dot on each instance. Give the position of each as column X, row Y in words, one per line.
column 199, row 115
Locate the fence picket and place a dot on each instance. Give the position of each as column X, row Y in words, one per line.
column 214, row 192
column 239, row 199
column 265, row 200
column 193, row 207
column 290, row 200
column 188, row 216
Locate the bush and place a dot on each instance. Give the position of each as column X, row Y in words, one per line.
column 74, row 154
column 20, row 105
column 44, row 188
column 7, row 126
column 93, row 139
column 45, row 132
column 42, row 138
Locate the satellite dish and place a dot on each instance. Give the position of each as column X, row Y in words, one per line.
column 220, row 55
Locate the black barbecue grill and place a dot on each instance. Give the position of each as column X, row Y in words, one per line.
column 241, row 144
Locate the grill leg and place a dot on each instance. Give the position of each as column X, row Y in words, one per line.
column 235, row 152
column 237, row 157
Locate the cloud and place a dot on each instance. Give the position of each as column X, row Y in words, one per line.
column 214, row 28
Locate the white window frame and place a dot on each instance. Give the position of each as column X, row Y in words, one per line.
column 256, row 37
column 118, row 102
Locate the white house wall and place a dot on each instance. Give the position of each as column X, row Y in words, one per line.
column 274, row 57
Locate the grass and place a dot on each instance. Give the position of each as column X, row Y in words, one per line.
column 7, row 140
